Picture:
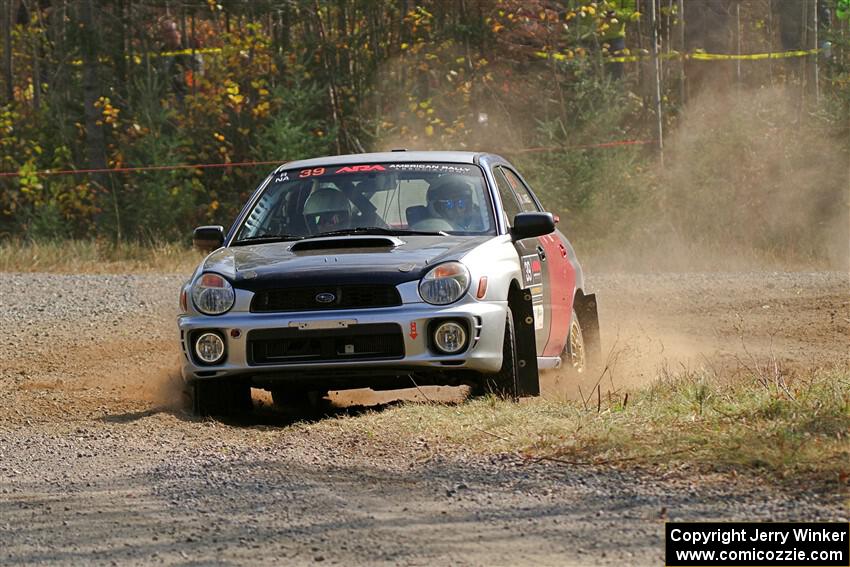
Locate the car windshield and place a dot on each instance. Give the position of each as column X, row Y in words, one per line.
column 389, row 198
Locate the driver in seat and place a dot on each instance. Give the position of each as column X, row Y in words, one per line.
column 326, row 210
column 450, row 198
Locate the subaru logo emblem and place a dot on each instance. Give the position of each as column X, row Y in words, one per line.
column 325, row 298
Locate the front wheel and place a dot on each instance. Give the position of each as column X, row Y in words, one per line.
column 504, row 382
column 220, row 397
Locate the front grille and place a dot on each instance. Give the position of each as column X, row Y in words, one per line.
column 357, row 342
column 344, row 297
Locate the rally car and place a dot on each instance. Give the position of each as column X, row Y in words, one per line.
column 387, row 271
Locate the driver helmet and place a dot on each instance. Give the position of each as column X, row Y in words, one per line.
column 327, row 209
column 450, row 198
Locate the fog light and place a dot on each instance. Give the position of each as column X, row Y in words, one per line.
column 210, row 348
column 450, row 337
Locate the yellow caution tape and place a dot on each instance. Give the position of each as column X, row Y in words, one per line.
column 203, row 51
column 137, row 59
column 696, row 56
column 618, row 59
column 624, row 59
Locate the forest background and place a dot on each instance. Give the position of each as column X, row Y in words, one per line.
column 652, row 127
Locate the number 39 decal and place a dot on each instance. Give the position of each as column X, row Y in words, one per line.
column 312, row 172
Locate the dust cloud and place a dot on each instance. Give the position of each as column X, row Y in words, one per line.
column 750, row 184
column 749, row 181
column 151, row 378
column 636, row 352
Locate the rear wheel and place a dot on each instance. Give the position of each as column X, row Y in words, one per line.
column 574, row 356
column 504, row 382
column 220, row 397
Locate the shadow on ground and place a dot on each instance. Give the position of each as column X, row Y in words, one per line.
column 347, row 403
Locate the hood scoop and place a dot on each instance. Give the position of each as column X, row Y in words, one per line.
column 344, row 242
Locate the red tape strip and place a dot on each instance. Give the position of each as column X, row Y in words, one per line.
column 142, row 168
column 277, row 162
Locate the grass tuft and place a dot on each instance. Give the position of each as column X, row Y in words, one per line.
column 780, row 429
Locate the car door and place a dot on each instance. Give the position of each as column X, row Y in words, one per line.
column 559, row 273
column 532, row 260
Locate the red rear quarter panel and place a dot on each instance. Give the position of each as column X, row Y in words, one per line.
column 562, row 284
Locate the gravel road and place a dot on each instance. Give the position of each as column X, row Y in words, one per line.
column 99, row 465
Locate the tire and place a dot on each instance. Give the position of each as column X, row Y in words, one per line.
column 220, row 397
column 574, row 358
column 504, row 382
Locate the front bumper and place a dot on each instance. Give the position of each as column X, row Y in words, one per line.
column 485, row 323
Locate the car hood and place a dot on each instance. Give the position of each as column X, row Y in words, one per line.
column 337, row 260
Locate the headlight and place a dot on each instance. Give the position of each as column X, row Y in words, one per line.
column 212, row 294
column 445, row 283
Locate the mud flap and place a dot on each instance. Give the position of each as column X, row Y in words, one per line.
column 528, row 381
column 588, row 318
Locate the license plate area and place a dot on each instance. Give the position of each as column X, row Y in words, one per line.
column 356, row 342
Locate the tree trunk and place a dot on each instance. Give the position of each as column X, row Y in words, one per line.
column 95, row 141
column 329, row 74
column 120, row 58
column 8, row 22
column 35, row 9
column 95, row 145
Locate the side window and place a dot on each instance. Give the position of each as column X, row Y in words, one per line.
column 509, row 203
column 522, row 194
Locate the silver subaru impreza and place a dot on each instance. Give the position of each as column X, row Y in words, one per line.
column 387, row 271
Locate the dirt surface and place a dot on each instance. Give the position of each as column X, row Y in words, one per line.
column 99, row 463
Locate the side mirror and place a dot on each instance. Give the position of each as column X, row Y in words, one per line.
column 529, row 225
column 208, row 238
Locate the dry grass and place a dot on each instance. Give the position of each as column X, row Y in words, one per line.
column 765, row 425
column 96, row 257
